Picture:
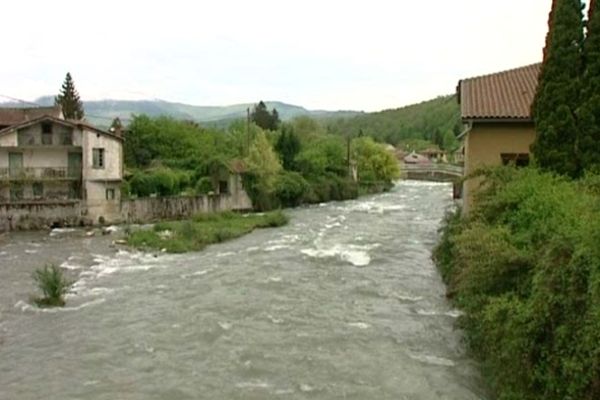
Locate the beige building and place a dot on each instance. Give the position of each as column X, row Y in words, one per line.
column 496, row 110
column 49, row 162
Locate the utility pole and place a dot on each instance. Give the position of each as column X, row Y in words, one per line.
column 248, row 130
column 348, row 141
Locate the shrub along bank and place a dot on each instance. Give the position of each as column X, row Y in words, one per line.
column 525, row 268
column 202, row 230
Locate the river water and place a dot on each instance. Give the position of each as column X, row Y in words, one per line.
column 343, row 303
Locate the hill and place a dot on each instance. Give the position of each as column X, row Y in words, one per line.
column 102, row 112
column 436, row 120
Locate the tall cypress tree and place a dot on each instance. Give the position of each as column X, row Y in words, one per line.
column 589, row 112
column 69, row 100
column 556, row 147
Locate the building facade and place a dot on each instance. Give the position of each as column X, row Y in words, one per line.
column 59, row 168
column 496, row 110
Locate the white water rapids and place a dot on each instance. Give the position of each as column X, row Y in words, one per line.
column 343, row 303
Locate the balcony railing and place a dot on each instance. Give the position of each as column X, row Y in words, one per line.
column 39, row 173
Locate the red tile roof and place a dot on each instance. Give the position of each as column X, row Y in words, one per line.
column 15, row 116
column 506, row 95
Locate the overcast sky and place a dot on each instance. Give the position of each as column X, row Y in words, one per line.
column 327, row 54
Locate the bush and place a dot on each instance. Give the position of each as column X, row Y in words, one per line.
column 290, row 188
column 53, row 285
column 525, row 268
column 142, row 184
column 204, row 185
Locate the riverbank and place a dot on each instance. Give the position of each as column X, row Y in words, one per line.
column 196, row 233
column 525, row 268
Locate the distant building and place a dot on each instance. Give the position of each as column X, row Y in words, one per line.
column 63, row 169
column 434, row 154
column 496, row 109
column 415, row 158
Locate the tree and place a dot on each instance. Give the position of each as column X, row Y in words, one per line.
column 68, row 99
column 263, row 169
column 556, row 147
column 262, row 160
column 589, row 111
column 263, row 118
column 116, row 126
column 375, row 163
column 288, row 146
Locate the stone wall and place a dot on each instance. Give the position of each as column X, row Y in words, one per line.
column 42, row 215
column 150, row 209
column 34, row 216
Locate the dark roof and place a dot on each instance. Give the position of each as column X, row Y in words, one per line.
column 15, row 116
column 87, row 125
column 506, row 95
column 71, row 123
column 237, row 166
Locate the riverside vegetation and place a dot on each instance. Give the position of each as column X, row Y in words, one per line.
column 202, row 230
column 53, row 285
column 296, row 163
column 525, row 268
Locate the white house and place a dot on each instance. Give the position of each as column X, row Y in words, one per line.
column 53, row 168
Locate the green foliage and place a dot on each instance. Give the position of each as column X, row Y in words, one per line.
column 202, row 230
column 288, row 146
column 589, row 110
column 53, row 285
column 204, row 185
column 556, row 147
column 263, row 168
column 160, row 181
column 525, row 268
column 425, row 121
column 290, row 188
column 177, row 144
column 330, row 187
column 374, row 162
column 263, row 118
column 322, row 156
column 68, row 99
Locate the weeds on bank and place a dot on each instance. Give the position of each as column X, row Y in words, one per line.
column 203, row 230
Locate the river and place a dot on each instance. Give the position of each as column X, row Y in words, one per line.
column 343, row 303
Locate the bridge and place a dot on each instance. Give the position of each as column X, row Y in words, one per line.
column 437, row 172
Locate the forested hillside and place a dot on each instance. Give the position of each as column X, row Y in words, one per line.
column 436, row 120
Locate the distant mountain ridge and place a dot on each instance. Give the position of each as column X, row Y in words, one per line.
column 102, row 112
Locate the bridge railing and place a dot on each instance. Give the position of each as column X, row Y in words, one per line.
column 441, row 168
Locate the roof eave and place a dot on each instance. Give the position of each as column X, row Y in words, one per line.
column 490, row 120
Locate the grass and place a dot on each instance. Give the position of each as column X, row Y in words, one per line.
column 53, row 284
column 202, row 230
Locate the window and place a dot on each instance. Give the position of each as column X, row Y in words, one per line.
column 38, row 190
column 46, row 133
column 75, row 190
column 67, row 138
column 98, row 158
column 16, row 193
column 516, row 159
column 223, row 187
column 110, row 194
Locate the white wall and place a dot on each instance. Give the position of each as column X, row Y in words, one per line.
column 97, row 203
column 113, row 156
column 8, row 140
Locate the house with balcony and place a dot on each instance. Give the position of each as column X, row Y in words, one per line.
column 54, row 170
